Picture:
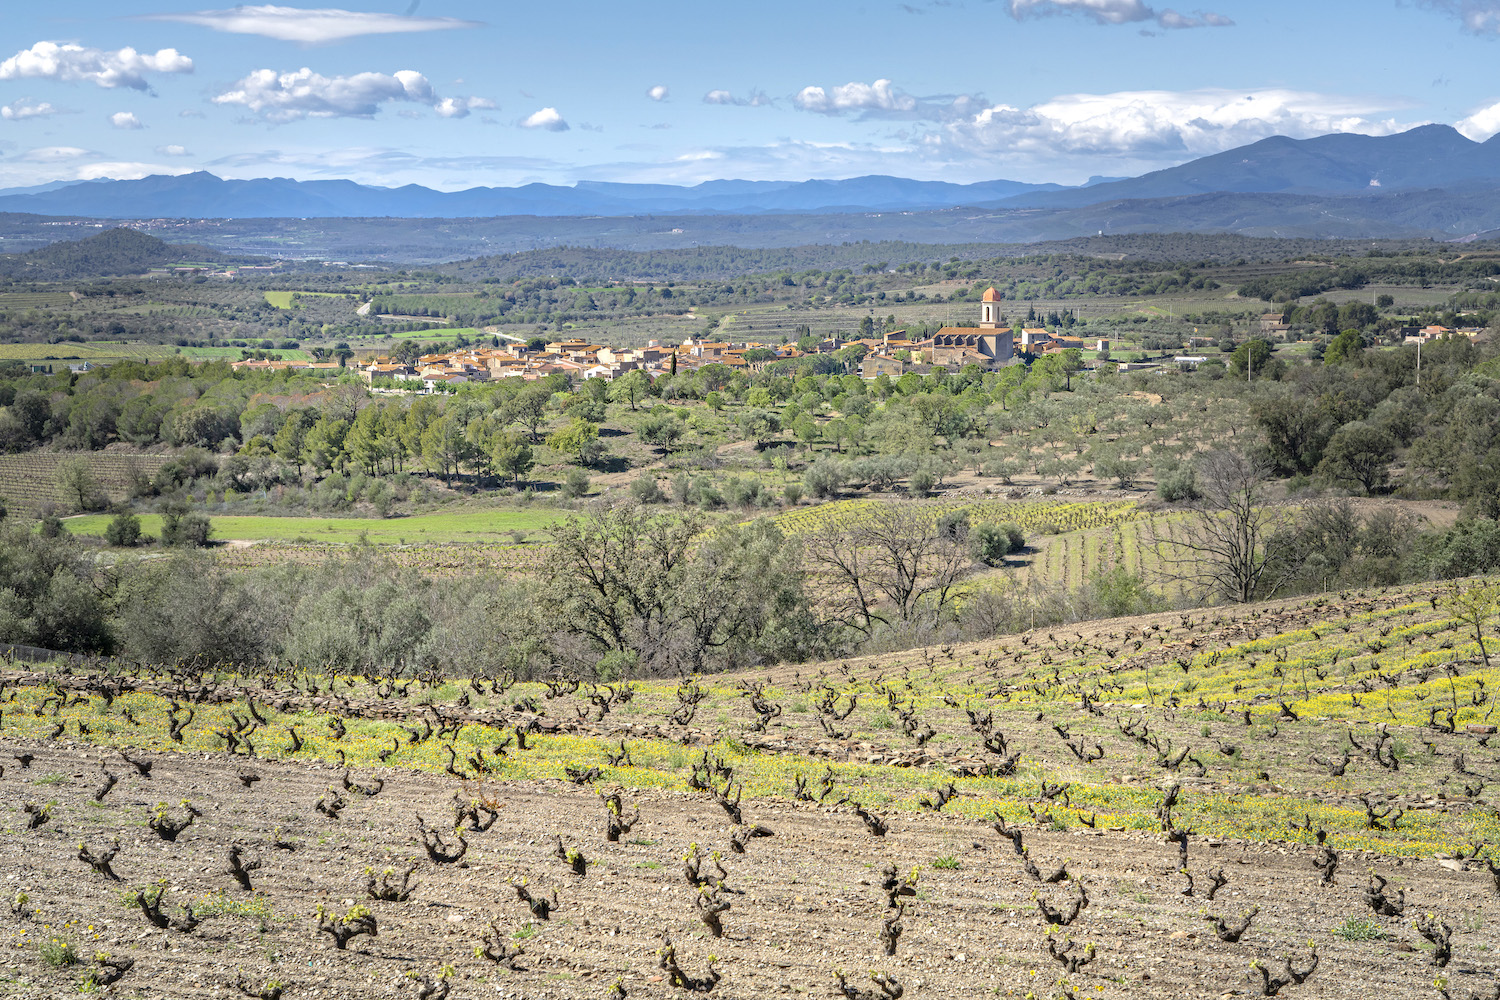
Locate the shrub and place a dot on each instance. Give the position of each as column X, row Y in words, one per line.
column 51, row 525
column 954, row 525
column 920, row 483
column 617, row 664
column 186, row 530
column 123, row 531
column 1178, row 484
column 742, row 492
column 991, row 543
column 646, row 490
column 825, row 477
column 575, row 483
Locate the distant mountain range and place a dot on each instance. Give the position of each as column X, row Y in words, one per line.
column 1429, row 182
column 204, row 196
column 1432, row 156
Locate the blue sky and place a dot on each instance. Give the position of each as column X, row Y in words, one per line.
column 459, row 93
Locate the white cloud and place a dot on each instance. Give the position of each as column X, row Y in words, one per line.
column 1482, row 17
column 658, row 92
column 877, row 96
column 1117, row 12
column 121, row 68
column 125, row 120
column 386, row 167
column 1198, row 19
column 883, row 100
column 283, row 97
column 27, row 108
column 1161, row 124
column 310, row 27
column 547, row 118
column 126, row 171
column 1482, row 123
column 191, row 113
column 755, row 100
column 54, row 154
column 171, row 150
column 459, row 107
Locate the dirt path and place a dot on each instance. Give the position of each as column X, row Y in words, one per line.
column 811, row 897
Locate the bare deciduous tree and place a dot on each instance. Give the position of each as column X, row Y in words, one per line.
column 898, row 564
column 1236, row 545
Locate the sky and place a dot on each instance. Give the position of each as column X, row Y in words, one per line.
column 453, row 94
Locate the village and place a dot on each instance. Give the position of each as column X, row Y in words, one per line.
column 990, row 345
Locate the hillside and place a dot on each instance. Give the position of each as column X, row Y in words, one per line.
column 110, row 253
column 1432, row 156
column 1149, row 806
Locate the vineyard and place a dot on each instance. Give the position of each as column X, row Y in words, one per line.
column 1142, row 547
column 1034, row 516
column 28, row 481
column 95, row 351
column 35, row 300
column 436, row 560
column 1193, row 797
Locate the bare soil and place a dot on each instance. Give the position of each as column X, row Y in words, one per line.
column 804, row 901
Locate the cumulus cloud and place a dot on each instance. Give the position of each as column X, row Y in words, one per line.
column 755, row 100
column 1161, row 124
column 125, row 120
column 282, row 97
column 27, row 108
column 171, row 150
column 877, row 96
column 1118, row 12
column 548, row 119
column 658, row 92
column 1482, row 17
column 75, row 63
column 1482, row 123
column 459, row 107
column 883, row 100
column 310, row 27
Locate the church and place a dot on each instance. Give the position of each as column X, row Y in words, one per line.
column 986, row 345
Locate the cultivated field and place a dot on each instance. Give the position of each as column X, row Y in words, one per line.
column 28, row 480
column 1246, row 739
column 476, row 526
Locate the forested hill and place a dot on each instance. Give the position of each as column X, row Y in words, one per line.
column 721, row 262
column 112, row 252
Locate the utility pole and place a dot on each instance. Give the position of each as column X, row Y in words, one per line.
column 1419, row 361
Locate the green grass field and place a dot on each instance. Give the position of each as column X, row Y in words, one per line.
column 461, row 526
column 444, row 333
column 283, row 299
